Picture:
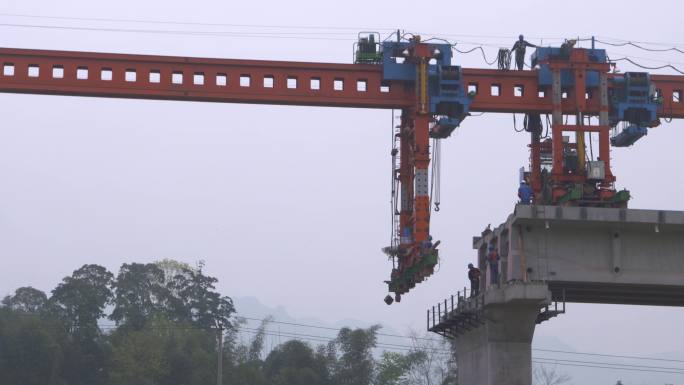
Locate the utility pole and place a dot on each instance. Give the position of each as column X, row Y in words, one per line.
column 219, row 367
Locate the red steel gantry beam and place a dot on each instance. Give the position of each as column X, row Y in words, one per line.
column 196, row 79
column 307, row 84
column 273, row 82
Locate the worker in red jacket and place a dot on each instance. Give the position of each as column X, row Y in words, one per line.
column 493, row 259
column 474, row 277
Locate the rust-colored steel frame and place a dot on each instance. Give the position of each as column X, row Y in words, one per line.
column 361, row 85
column 579, row 64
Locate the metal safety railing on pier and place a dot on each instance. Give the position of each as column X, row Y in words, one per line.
column 456, row 312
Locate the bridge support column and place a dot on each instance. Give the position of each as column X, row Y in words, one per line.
column 499, row 350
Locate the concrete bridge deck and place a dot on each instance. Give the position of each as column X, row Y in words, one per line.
column 593, row 255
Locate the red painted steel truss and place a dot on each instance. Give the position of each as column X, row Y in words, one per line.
column 272, row 82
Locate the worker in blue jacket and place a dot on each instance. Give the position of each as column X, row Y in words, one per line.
column 525, row 193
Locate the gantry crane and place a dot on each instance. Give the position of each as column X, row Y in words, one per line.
column 434, row 96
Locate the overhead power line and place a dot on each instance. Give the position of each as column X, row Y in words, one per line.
column 409, row 347
column 540, row 360
column 610, row 355
column 323, row 339
column 318, row 30
column 649, row 59
column 273, row 35
column 308, row 35
column 661, row 44
column 605, row 367
column 281, row 26
column 436, row 340
column 670, row 66
column 611, row 364
column 338, row 329
column 170, row 22
column 629, row 43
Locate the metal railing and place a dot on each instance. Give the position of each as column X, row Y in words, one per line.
column 451, row 306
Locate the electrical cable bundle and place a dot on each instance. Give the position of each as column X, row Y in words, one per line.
column 504, row 59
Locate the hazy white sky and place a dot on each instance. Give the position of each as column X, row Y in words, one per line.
column 290, row 204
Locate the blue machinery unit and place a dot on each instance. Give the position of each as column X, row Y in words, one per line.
column 567, row 79
column 448, row 102
column 633, row 101
column 632, row 95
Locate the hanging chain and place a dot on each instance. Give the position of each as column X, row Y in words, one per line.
column 394, row 241
column 435, row 183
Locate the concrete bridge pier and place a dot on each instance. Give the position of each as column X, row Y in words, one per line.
column 557, row 254
column 499, row 350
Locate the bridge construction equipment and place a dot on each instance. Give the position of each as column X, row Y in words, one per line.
column 575, row 242
column 435, row 96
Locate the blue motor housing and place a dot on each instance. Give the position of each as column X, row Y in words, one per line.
column 394, row 66
column 545, row 74
column 632, row 100
column 628, row 136
column 448, row 102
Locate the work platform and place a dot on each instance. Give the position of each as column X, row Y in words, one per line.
column 493, row 332
column 556, row 254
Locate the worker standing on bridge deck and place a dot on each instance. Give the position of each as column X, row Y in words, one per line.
column 525, row 193
column 493, row 259
column 474, row 277
column 519, row 48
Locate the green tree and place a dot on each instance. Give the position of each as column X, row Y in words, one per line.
column 197, row 302
column 164, row 353
column 140, row 294
column 245, row 366
column 30, row 349
column 292, row 363
column 167, row 335
column 392, row 369
column 172, row 268
column 26, row 299
column 356, row 364
column 431, row 361
column 191, row 356
column 137, row 357
column 248, row 373
column 326, row 361
column 549, row 375
column 79, row 302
